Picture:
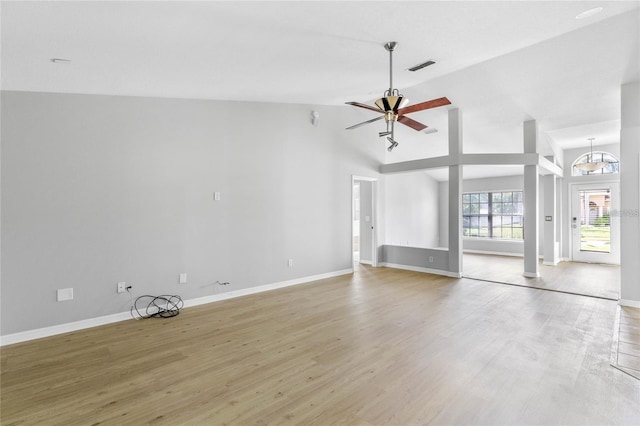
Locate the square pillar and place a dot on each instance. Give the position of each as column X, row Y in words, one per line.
column 550, row 245
column 630, row 195
column 531, row 202
column 455, row 194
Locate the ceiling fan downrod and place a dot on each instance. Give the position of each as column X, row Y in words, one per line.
column 391, row 100
column 390, row 46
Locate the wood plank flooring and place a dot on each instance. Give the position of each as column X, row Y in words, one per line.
column 593, row 279
column 379, row 347
column 625, row 351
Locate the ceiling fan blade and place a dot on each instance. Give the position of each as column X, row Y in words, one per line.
column 434, row 103
column 365, row 106
column 412, row 123
column 365, row 122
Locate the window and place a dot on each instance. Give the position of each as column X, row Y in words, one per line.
column 613, row 165
column 493, row 215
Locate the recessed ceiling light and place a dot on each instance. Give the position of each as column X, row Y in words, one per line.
column 589, row 13
column 60, row 61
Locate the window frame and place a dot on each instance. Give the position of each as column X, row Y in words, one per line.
column 597, row 154
column 490, row 210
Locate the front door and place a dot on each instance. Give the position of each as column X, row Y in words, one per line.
column 595, row 231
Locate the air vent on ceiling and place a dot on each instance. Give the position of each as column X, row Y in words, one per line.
column 420, row 66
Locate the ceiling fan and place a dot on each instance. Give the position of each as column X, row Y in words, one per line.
column 393, row 107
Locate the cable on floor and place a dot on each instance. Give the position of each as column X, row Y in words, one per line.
column 163, row 306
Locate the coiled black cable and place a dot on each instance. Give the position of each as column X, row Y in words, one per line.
column 163, row 306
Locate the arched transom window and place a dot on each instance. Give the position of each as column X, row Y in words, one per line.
column 613, row 166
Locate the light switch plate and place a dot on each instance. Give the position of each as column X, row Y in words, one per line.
column 183, row 278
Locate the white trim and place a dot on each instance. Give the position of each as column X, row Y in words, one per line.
column 531, row 274
column 554, row 263
column 123, row 316
column 62, row 328
column 629, row 303
column 420, row 269
column 365, row 262
column 262, row 288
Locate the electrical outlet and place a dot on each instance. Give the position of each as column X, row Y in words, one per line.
column 430, row 259
column 290, row 263
column 122, row 287
column 183, row 278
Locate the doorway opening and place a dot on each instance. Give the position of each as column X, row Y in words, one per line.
column 594, row 232
column 363, row 220
column 355, row 243
column 595, row 221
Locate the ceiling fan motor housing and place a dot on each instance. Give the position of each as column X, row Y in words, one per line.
column 392, row 103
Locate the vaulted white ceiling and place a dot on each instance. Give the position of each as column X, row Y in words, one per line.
column 499, row 62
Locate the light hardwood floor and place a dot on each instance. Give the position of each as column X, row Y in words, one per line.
column 625, row 351
column 593, row 279
column 380, row 347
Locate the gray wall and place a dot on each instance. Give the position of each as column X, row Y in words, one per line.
column 435, row 259
column 412, row 210
column 101, row 189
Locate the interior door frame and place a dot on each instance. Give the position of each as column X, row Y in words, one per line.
column 374, row 217
column 574, row 211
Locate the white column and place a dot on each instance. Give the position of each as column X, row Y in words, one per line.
column 630, row 195
column 550, row 249
column 531, row 195
column 455, row 194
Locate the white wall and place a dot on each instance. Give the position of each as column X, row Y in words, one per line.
column 101, row 189
column 411, row 210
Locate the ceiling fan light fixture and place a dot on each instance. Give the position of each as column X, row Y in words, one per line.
column 391, row 103
column 393, row 144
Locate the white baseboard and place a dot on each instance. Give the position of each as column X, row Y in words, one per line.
column 39, row 333
column 555, row 263
column 262, row 288
column 531, row 274
column 629, row 303
column 420, row 269
column 122, row 316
